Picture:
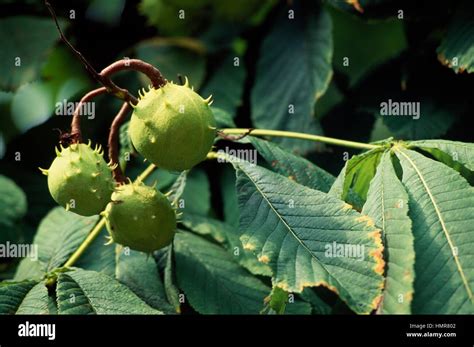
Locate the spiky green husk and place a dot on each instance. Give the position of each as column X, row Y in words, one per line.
column 173, row 127
column 80, row 180
column 140, row 217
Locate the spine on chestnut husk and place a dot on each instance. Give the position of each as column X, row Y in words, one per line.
column 79, row 179
column 140, row 217
column 172, row 126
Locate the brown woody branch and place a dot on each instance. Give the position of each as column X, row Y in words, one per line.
column 155, row 76
column 108, row 86
column 76, row 117
column 105, row 81
column 225, row 136
column 114, row 140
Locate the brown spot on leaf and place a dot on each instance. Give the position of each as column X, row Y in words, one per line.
column 376, row 302
column 377, row 253
column 368, row 221
column 447, row 62
column 249, row 246
column 347, row 206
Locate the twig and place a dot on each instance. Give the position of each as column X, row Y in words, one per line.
column 297, row 135
column 88, row 66
column 76, row 117
column 225, row 136
column 105, row 81
column 108, row 86
column 155, row 76
column 113, row 142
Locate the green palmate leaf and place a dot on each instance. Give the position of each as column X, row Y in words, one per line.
column 28, row 297
column 277, row 300
column 245, row 257
column 212, row 281
column 352, row 183
column 163, row 178
column 175, row 57
column 37, row 192
column 337, row 188
column 359, row 172
column 297, row 73
column 12, row 201
column 434, row 120
column 29, row 269
column 7, row 126
column 140, row 274
column 329, row 100
column 36, row 301
column 89, row 292
column 227, row 84
column 41, row 94
column 62, row 78
column 460, row 151
column 319, row 306
column 386, row 38
column 25, row 43
column 223, row 118
column 177, row 188
column 229, row 197
column 457, row 48
column 164, row 16
column 99, row 256
column 106, row 12
column 305, row 236
column 12, row 208
column 298, row 307
column 196, row 195
column 169, row 278
column 282, row 302
column 442, row 212
column 228, row 235
column 59, row 235
column 71, row 299
column 66, row 72
column 296, row 168
column 387, row 204
column 136, row 270
column 206, row 226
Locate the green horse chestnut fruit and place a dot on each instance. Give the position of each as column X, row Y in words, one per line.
column 173, row 127
column 80, row 180
column 140, row 217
